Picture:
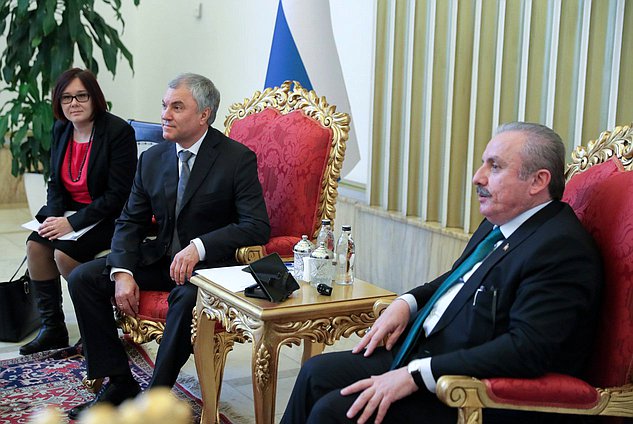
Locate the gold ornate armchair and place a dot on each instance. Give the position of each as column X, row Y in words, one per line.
column 601, row 194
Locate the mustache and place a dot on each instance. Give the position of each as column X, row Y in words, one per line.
column 482, row 192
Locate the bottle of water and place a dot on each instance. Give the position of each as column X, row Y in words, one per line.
column 326, row 235
column 301, row 250
column 345, row 255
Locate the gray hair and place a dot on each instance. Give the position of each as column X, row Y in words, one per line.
column 544, row 149
column 203, row 91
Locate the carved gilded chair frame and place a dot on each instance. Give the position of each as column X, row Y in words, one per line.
column 618, row 143
column 140, row 330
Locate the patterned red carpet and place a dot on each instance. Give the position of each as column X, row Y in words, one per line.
column 29, row 383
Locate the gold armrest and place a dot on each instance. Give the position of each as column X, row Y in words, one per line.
column 380, row 305
column 247, row 254
column 469, row 395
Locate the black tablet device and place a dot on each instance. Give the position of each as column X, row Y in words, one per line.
column 274, row 282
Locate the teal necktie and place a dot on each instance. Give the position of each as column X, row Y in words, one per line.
column 482, row 250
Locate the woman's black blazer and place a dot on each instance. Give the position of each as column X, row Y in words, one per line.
column 111, row 169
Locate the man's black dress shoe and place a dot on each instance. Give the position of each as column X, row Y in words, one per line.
column 114, row 394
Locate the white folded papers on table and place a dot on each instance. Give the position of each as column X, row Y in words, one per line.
column 232, row 278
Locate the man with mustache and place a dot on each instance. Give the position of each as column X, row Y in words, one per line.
column 528, row 268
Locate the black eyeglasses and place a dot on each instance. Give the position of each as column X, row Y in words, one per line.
column 81, row 98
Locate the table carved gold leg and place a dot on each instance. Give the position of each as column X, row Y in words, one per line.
column 203, row 351
column 223, row 343
column 265, row 369
column 210, row 351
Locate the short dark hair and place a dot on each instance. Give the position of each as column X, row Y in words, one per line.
column 544, row 149
column 89, row 81
column 202, row 90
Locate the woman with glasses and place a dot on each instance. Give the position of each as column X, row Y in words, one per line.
column 93, row 160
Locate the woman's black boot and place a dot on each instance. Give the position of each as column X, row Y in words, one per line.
column 53, row 333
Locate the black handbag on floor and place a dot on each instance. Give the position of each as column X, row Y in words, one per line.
column 18, row 312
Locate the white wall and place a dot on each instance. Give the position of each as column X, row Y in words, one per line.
column 353, row 23
column 230, row 43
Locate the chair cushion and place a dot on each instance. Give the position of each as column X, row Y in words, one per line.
column 292, row 155
column 282, row 245
column 582, row 186
column 554, row 390
column 153, row 307
column 613, row 232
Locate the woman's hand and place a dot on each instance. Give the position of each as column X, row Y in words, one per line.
column 54, row 227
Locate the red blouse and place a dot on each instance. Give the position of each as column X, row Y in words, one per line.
column 74, row 175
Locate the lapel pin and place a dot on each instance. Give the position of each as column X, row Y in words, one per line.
column 506, row 247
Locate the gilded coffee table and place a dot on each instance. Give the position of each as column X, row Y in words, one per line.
column 306, row 316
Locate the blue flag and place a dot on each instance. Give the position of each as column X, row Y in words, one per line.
column 285, row 61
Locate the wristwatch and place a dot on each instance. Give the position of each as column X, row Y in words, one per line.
column 414, row 370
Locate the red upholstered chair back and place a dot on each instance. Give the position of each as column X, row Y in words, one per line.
column 600, row 190
column 299, row 141
column 292, row 154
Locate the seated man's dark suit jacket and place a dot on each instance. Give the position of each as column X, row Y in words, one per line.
column 536, row 307
column 223, row 205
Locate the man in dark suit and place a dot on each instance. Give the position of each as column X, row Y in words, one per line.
column 525, row 309
column 203, row 190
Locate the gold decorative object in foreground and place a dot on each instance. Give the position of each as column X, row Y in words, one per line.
column 156, row 406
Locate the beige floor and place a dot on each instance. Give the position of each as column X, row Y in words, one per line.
column 237, row 396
